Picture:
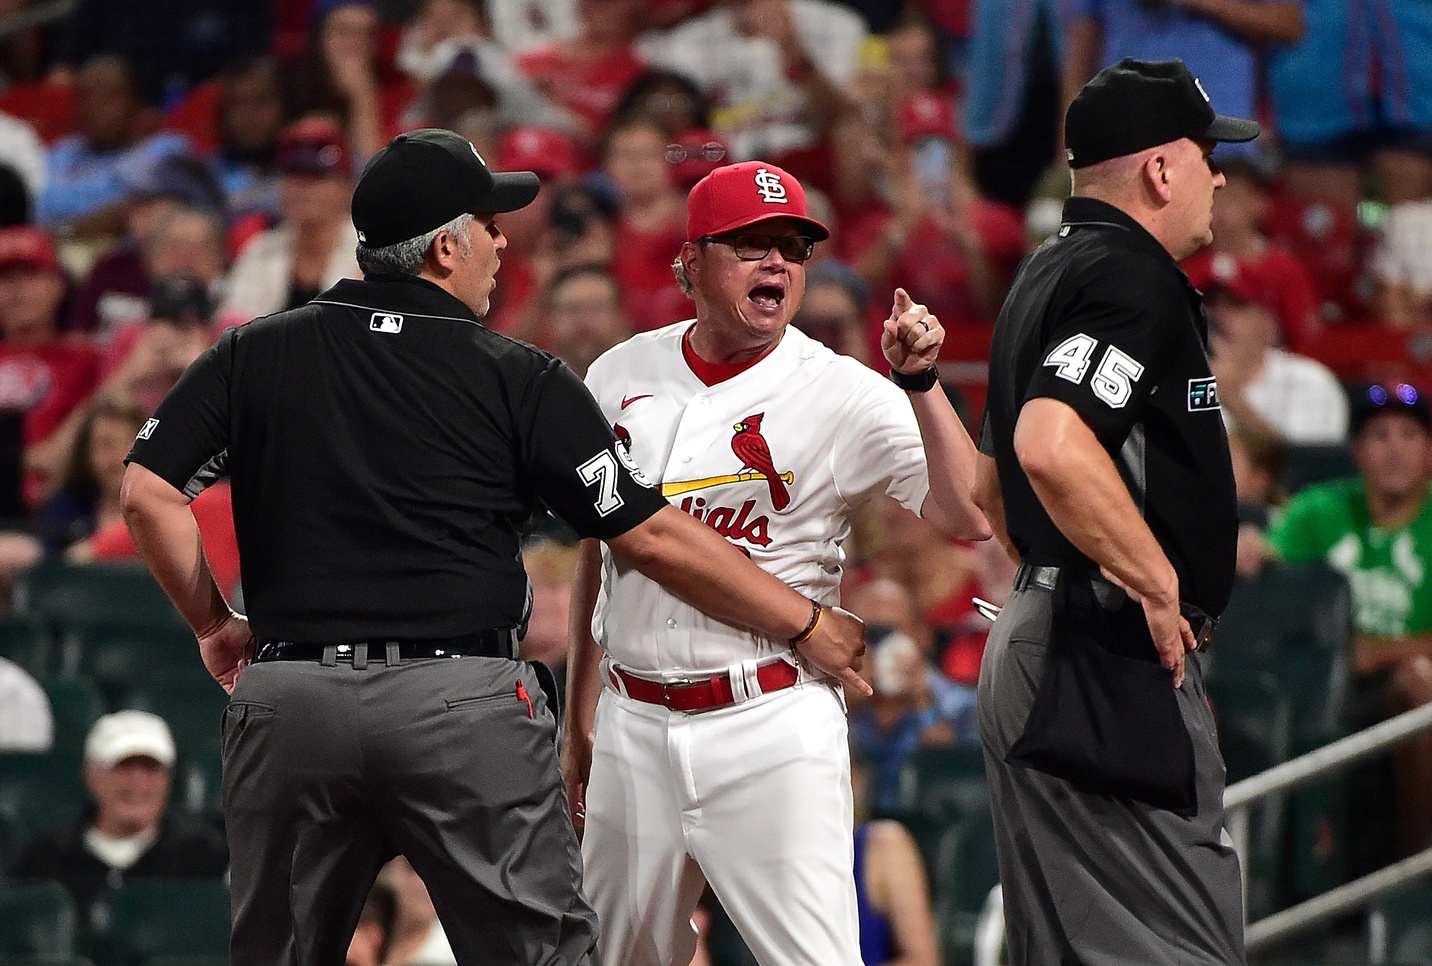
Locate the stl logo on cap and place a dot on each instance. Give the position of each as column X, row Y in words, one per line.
column 768, row 183
column 1199, row 84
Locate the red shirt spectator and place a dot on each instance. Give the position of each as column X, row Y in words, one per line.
column 47, row 381
column 933, row 262
column 1328, row 242
column 651, row 225
column 42, row 375
column 588, row 74
column 1278, row 278
column 644, row 271
column 1243, row 251
column 214, row 511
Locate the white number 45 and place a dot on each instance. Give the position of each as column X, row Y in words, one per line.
column 1113, row 380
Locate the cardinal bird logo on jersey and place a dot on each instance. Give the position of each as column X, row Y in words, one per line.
column 750, row 446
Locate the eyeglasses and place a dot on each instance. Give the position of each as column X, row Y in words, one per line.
column 753, row 248
column 710, row 151
column 1400, row 393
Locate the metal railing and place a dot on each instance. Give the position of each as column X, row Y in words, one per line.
column 1238, row 799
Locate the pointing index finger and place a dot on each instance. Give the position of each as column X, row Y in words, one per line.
column 903, row 303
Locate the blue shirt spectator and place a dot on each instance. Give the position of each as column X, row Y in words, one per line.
column 1216, row 40
column 1361, row 66
column 997, row 72
column 90, row 172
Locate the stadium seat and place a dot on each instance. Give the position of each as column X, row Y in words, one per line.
column 1296, row 623
column 944, row 781
column 1305, row 465
column 1400, row 929
column 123, row 660
column 37, row 921
column 25, row 644
column 1255, row 722
column 198, row 783
column 1254, row 718
column 147, row 918
column 64, row 596
column 76, row 706
column 193, row 712
column 963, row 873
column 37, row 791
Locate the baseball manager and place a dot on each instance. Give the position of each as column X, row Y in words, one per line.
column 386, row 452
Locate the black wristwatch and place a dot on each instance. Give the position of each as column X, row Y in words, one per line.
column 919, row 382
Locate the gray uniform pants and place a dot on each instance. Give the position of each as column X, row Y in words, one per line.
column 1096, row 880
column 331, row 771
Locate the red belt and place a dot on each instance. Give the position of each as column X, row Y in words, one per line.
column 713, row 692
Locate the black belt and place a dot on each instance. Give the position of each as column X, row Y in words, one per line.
column 1202, row 624
column 497, row 642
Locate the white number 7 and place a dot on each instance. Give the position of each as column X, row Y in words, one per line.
column 602, row 470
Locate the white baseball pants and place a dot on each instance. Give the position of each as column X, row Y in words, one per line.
column 754, row 798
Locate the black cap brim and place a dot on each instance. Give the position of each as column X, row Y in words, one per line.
column 511, row 190
column 1232, row 129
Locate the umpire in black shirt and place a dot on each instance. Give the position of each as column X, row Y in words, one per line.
column 386, row 451
column 1104, row 468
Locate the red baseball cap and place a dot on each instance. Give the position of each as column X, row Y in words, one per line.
column 1238, row 280
column 29, row 246
column 926, row 114
column 316, row 146
column 550, row 153
column 744, row 194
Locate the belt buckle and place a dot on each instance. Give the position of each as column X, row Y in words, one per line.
column 670, row 685
column 1204, row 635
column 1202, row 625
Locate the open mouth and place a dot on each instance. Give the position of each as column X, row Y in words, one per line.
column 768, row 296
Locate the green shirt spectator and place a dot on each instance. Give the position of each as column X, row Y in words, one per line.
column 1387, row 565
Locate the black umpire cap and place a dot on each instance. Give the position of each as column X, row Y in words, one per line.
column 424, row 179
column 1139, row 104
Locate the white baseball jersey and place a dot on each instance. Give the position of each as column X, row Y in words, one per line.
column 775, row 459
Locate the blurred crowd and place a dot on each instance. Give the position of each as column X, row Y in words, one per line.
column 168, row 169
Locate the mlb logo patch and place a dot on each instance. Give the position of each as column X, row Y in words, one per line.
column 147, row 430
column 1202, row 394
column 383, row 322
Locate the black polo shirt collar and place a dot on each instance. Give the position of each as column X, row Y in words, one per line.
column 1093, row 213
column 399, row 294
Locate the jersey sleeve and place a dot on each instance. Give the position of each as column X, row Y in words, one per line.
column 1104, row 354
column 575, row 462
column 878, row 449
column 186, row 441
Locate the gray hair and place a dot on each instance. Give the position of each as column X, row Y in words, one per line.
column 678, row 268
column 406, row 257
